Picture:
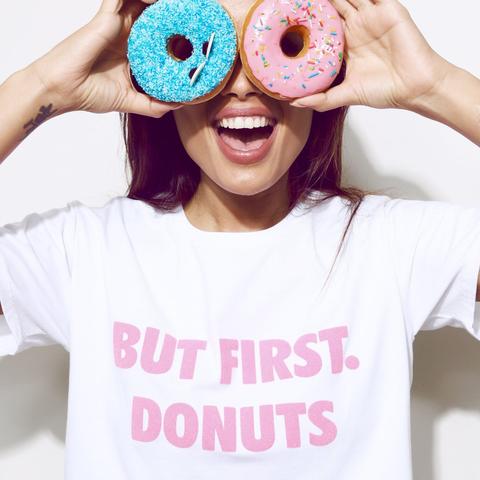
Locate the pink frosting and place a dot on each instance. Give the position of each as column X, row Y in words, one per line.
column 309, row 73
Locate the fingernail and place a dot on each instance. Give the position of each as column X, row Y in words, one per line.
column 298, row 104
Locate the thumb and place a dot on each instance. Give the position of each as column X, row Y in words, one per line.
column 114, row 6
column 144, row 105
column 339, row 96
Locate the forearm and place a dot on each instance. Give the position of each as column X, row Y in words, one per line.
column 24, row 105
column 455, row 102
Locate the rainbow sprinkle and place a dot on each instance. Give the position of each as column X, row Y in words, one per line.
column 167, row 79
column 319, row 61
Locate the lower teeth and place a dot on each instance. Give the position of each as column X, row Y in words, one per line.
column 245, row 138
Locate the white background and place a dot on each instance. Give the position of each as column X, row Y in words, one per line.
column 80, row 156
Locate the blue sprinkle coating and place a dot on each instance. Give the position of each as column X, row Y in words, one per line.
column 157, row 72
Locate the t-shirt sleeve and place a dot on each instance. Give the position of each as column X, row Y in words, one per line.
column 435, row 249
column 36, row 278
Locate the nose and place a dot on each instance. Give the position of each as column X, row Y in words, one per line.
column 239, row 85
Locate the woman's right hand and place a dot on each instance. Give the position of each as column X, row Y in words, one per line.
column 89, row 70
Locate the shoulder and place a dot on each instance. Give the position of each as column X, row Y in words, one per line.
column 414, row 213
column 380, row 215
column 391, row 208
column 120, row 220
column 370, row 207
column 118, row 208
column 427, row 227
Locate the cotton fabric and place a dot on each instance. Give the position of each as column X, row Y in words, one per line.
column 206, row 355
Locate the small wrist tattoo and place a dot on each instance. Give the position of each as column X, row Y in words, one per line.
column 43, row 115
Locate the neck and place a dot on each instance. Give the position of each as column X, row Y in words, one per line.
column 216, row 210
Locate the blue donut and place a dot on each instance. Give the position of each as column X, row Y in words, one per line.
column 182, row 50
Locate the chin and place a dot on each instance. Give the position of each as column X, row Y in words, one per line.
column 246, row 190
column 246, row 182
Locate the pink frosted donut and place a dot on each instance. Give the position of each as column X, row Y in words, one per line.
column 292, row 48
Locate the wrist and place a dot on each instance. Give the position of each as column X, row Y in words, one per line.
column 43, row 91
column 454, row 100
column 431, row 87
column 26, row 104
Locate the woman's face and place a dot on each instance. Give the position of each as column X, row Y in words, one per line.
column 219, row 151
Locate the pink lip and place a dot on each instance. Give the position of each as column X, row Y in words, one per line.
column 241, row 156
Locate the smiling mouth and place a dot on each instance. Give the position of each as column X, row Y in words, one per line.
column 245, row 133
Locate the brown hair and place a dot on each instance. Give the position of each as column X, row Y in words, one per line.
column 164, row 176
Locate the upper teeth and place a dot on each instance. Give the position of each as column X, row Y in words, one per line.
column 245, row 122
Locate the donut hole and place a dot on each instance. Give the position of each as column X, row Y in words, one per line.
column 179, row 47
column 295, row 41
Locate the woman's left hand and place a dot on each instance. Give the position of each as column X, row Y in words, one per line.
column 389, row 63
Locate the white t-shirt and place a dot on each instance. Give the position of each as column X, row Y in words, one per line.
column 200, row 355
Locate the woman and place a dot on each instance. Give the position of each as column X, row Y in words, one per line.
column 213, row 327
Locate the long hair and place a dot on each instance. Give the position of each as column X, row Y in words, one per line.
column 164, row 176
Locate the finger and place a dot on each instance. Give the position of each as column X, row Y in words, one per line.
column 339, row 96
column 344, row 8
column 101, row 30
column 144, row 105
column 359, row 3
column 114, row 6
